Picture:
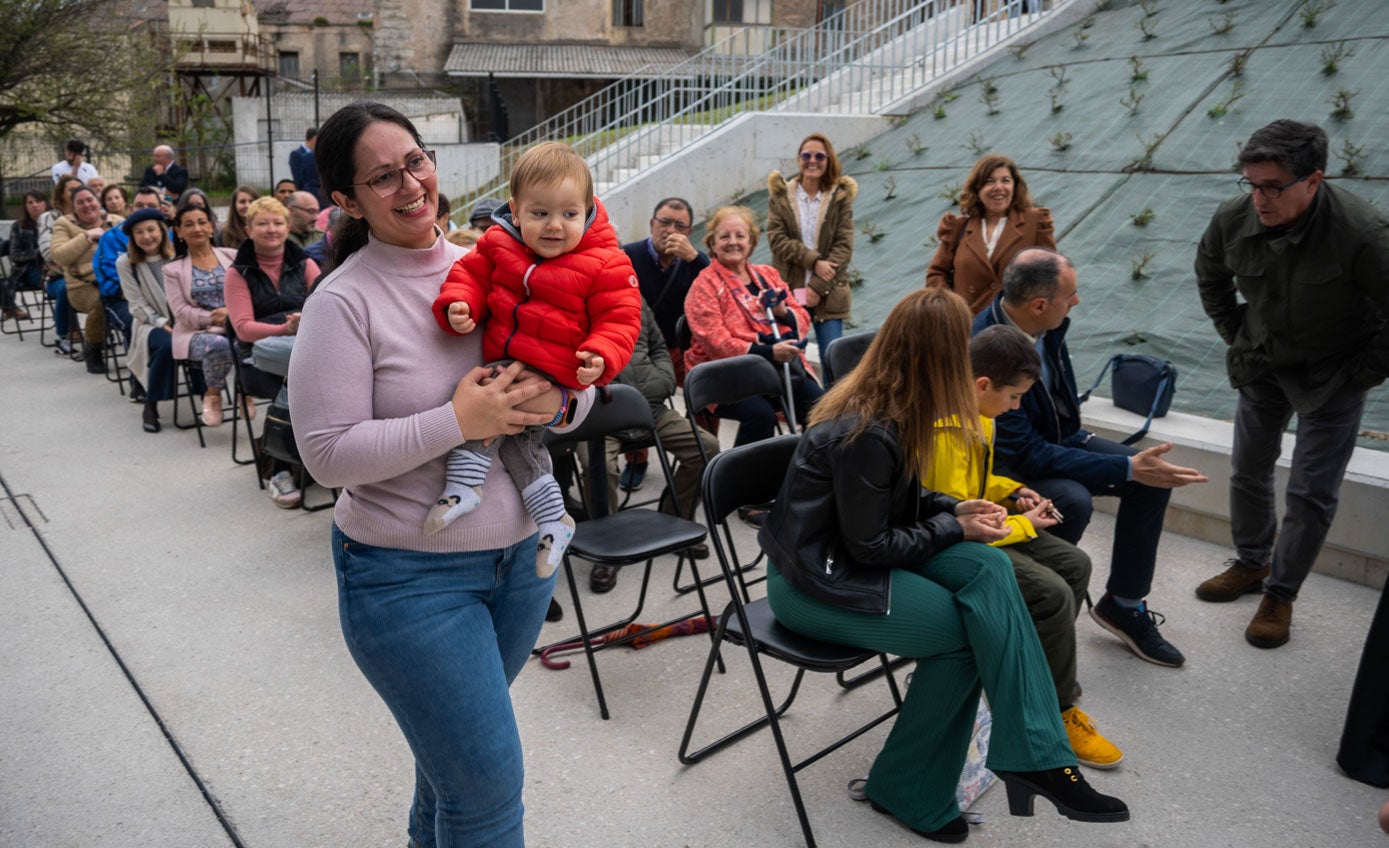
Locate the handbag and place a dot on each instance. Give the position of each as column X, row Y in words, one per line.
column 277, row 436
column 1141, row 384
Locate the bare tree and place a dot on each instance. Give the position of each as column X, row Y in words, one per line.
column 93, row 68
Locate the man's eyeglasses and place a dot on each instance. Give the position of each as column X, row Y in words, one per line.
column 815, row 156
column 678, row 226
column 420, row 165
column 305, row 209
column 1269, row 191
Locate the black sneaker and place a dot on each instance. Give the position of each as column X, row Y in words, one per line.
column 1139, row 630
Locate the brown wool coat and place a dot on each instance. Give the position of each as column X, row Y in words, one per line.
column 834, row 241
column 979, row 278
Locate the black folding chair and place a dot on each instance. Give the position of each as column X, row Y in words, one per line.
column 628, row 536
column 186, row 386
column 747, row 475
column 728, row 381
column 841, row 355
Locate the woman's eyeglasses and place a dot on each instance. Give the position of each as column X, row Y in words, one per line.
column 420, row 165
column 816, row 156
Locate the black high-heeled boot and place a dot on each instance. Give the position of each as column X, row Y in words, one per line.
column 954, row 830
column 1065, row 787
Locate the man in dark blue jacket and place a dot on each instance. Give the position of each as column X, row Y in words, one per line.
column 1044, row 443
column 666, row 264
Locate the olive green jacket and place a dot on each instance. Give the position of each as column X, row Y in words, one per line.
column 834, row 241
column 1315, row 310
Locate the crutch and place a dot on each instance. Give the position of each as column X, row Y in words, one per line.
column 786, row 374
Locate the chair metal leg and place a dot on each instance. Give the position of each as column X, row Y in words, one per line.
column 186, row 373
column 870, row 675
column 588, row 643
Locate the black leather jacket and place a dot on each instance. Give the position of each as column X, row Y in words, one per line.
column 849, row 512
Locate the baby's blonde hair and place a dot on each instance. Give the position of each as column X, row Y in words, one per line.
column 551, row 163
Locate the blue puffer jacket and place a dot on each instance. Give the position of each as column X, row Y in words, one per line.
column 1034, row 442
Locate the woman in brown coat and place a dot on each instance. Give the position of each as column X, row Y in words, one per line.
column 1000, row 220
column 810, row 229
column 74, row 245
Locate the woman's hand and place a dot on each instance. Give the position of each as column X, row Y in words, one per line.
column 292, row 323
column 825, row 269
column 94, row 234
column 982, row 520
column 812, row 298
column 486, row 405
column 785, row 351
column 218, row 317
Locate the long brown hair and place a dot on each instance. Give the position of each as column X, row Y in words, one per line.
column 60, row 193
column 979, row 174
column 915, row 373
column 234, row 233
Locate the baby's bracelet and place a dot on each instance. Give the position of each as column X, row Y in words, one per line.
column 563, row 407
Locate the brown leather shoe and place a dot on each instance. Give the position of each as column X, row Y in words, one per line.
column 1269, row 629
column 602, row 579
column 1235, row 581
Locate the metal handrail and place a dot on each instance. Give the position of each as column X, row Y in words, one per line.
column 862, row 60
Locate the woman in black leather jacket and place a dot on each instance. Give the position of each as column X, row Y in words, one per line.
column 862, row 555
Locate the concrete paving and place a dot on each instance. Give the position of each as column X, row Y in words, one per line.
column 173, row 674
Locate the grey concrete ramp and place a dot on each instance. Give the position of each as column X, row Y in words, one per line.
column 223, row 608
column 84, row 762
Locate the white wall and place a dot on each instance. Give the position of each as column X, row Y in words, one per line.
column 1357, row 548
column 730, row 162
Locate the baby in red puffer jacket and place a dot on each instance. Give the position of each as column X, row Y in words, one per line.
column 557, row 293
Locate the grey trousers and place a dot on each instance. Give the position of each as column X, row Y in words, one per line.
column 1325, row 439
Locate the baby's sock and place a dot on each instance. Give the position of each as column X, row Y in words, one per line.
column 545, row 504
column 467, row 470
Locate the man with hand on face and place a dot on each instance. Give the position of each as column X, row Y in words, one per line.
column 666, row 263
column 166, row 173
column 1295, row 274
column 74, row 162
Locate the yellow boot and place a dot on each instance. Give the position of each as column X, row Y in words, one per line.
column 1091, row 749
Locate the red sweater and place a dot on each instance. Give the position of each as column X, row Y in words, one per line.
column 725, row 319
column 543, row 311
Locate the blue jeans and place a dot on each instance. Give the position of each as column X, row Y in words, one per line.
column 160, row 373
column 57, row 289
column 118, row 312
column 826, row 332
column 440, row 637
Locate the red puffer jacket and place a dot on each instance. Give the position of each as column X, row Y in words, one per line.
column 543, row 311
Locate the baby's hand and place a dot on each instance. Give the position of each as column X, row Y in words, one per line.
column 459, row 318
column 592, row 368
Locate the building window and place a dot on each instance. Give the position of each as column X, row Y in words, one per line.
column 349, row 65
column 728, row 11
column 506, row 5
column 289, row 64
column 627, row 13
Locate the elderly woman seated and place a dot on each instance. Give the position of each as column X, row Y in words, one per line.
column 75, row 237
column 734, row 307
column 267, row 285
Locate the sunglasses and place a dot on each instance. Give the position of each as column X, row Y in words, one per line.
column 816, row 156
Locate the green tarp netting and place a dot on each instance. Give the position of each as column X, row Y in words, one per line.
column 1093, row 188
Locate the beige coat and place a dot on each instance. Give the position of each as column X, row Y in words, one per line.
column 978, row 278
column 834, row 241
column 74, row 252
column 149, row 310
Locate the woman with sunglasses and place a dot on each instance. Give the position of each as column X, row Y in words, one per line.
column 810, row 229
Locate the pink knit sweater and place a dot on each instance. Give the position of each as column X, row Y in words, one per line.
column 371, row 380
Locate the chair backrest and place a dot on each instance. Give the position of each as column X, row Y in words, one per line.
column 746, row 475
column 843, row 354
column 731, row 380
column 625, row 409
column 683, row 334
